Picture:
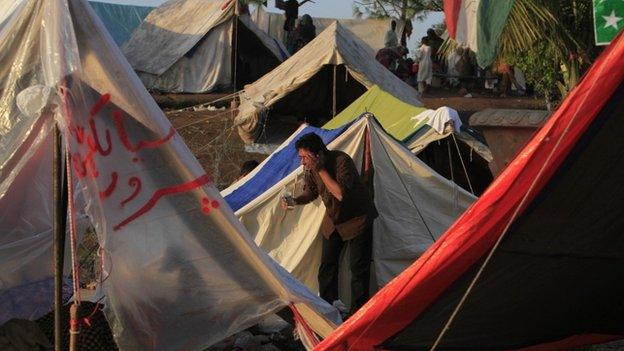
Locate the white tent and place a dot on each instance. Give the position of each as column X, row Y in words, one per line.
column 182, row 272
column 322, row 78
column 200, row 46
column 370, row 31
column 415, row 204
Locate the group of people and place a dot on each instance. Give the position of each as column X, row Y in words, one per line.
column 417, row 72
column 457, row 69
column 299, row 31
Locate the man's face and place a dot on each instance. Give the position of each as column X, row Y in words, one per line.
column 307, row 158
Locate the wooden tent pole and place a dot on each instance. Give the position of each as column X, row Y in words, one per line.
column 59, row 214
column 334, row 92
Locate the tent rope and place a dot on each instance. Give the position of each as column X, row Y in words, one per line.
column 206, row 104
column 408, row 193
column 514, row 216
column 204, row 119
column 461, row 159
column 455, row 190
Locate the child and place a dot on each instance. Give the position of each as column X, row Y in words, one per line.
column 425, row 65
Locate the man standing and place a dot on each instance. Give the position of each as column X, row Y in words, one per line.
column 348, row 220
column 391, row 39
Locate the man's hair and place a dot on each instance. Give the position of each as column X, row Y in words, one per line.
column 431, row 32
column 424, row 40
column 248, row 166
column 393, row 24
column 312, row 143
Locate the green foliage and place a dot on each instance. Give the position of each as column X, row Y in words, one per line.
column 403, row 9
column 541, row 70
column 550, row 39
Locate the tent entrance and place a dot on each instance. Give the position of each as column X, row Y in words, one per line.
column 253, row 59
column 314, row 103
column 442, row 156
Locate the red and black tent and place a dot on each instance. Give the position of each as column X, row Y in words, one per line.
column 538, row 261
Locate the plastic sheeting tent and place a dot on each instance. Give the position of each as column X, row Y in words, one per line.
column 552, row 223
column 182, row 272
column 195, row 46
column 415, row 204
column 427, row 134
column 322, row 78
column 120, row 20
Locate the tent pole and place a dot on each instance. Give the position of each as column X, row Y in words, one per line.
column 334, row 93
column 235, row 45
column 59, row 212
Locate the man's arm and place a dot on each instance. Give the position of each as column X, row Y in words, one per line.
column 331, row 184
column 346, row 177
column 310, row 192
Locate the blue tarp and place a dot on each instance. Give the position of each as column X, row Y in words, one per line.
column 280, row 164
column 120, row 20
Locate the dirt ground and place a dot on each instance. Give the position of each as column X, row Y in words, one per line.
column 215, row 143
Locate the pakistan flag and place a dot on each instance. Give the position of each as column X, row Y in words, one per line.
column 608, row 20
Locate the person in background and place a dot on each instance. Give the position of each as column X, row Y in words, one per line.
column 291, row 13
column 349, row 215
column 425, row 65
column 452, row 70
column 305, row 32
column 246, row 168
column 391, row 40
column 508, row 78
column 434, row 42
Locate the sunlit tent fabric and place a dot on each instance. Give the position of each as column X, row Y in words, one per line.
column 415, row 204
column 120, row 20
column 317, row 82
column 418, row 129
column 182, row 272
column 197, row 46
column 556, row 279
column 370, row 31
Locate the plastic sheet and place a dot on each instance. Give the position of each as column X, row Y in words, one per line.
column 182, row 272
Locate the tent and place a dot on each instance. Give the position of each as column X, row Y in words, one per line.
column 415, row 204
column 195, row 46
column 425, row 132
column 322, row 78
column 370, row 31
column 537, row 261
column 120, row 20
column 181, row 271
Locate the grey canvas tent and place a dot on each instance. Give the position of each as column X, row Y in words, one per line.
column 195, row 46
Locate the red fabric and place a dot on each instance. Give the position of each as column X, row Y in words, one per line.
column 475, row 232
column 451, row 14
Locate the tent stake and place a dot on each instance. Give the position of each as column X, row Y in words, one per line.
column 59, row 211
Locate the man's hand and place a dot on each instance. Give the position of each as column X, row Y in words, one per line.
column 283, row 204
column 317, row 162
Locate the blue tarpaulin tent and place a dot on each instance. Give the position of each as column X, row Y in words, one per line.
column 120, row 20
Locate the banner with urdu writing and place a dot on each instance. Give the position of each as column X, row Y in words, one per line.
column 608, row 20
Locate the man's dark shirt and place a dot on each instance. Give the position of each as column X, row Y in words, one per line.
column 349, row 215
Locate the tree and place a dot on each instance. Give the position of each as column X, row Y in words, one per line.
column 554, row 37
column 401, row 9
